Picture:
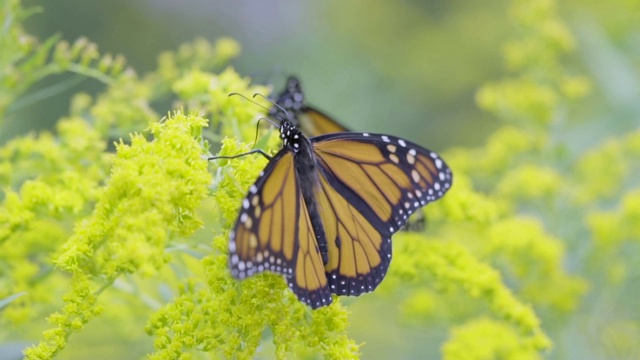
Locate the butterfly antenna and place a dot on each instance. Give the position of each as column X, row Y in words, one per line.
column 249, row 100
column 273, row 103
column 255, row 140
column 275, row 124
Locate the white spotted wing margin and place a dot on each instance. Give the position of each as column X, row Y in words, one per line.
column 274, row 233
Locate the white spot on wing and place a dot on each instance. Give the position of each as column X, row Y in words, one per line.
column 411, row 159
column 415, row 175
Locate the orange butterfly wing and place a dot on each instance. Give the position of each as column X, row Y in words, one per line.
column 313, row 122
column 273, row 232
column 291, row 106
column 370, row 184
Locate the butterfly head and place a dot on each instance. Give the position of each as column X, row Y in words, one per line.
column 291, row 136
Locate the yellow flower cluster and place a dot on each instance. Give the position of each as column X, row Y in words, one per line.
column 138, row 234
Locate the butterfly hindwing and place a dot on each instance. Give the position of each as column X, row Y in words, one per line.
column 309, row 282
column 273, row 232
column 359, row 254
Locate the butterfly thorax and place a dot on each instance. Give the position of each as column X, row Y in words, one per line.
column 292, row 138
column 307, row 178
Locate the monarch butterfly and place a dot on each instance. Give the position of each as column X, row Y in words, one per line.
column 323, row 210
column 312, row 122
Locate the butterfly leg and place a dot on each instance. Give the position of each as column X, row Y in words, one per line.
column 254, row 151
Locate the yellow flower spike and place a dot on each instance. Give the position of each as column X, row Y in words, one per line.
column 632, row 144
column 504, row 148
column 611, row 229
column 54, row 181
column 453, row 265
column 462, row 203
column 599, row 172
column 519, row 100
column 192, row 84
column 485, row 339
column 535, row 259
column 606, row 228
column 530, row 182
column 134, row 219
column 64, row 172
column 227, row 49
column 576, row 87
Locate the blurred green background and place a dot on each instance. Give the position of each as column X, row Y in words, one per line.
column 408, row 68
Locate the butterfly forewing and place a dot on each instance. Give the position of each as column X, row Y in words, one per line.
column 264, row 237
column 394, row 177
column 273, row 232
